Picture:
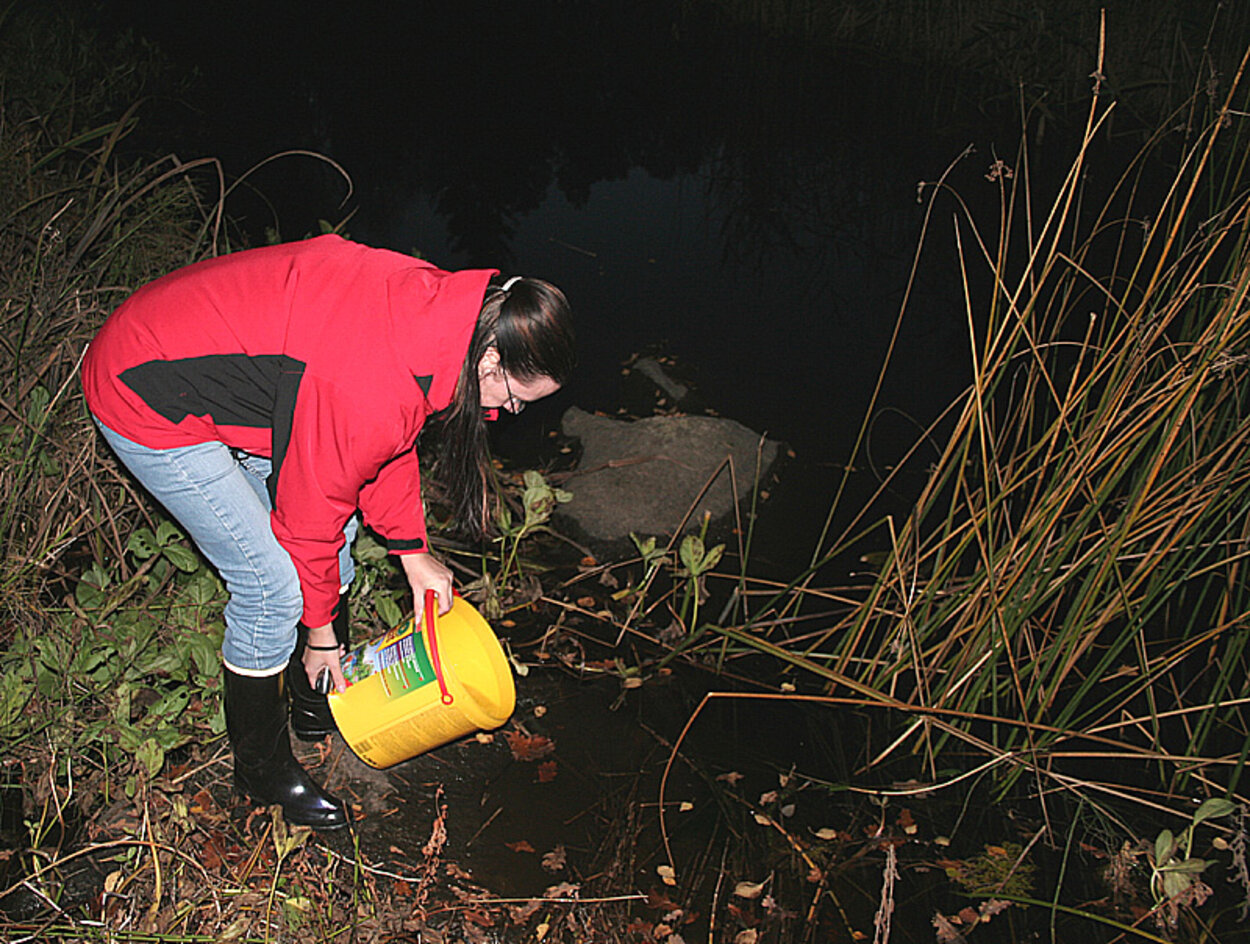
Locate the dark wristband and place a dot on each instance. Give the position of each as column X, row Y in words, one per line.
column 309, row 645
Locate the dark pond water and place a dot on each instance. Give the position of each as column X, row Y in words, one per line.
column 745, row 206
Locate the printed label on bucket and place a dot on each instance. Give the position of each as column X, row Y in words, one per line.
column 399, row 658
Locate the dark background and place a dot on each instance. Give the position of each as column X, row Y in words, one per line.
column 743, row 202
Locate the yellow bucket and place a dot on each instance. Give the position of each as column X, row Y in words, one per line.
column 418, row 688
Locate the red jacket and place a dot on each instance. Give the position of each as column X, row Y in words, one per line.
column 325, row 355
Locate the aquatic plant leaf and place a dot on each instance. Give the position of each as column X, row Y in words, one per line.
column 1165, row 846
column 1188, row 866
column 1175, row 883
column 692, row 552
column 1213, row 808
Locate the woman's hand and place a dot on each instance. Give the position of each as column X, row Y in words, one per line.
column 316, row 659
column 426, row 572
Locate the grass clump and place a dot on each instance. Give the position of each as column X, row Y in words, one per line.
column 97, row 684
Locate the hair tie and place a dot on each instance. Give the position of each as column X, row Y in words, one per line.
column 511, row 282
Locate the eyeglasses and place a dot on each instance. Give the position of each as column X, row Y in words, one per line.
column 515, row 404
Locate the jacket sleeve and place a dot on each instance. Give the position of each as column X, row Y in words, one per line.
column 391, row 505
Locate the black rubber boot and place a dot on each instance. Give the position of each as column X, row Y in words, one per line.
column 264, row 767
column 311, row 719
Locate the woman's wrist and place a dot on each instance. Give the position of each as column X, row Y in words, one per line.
column 322, row 636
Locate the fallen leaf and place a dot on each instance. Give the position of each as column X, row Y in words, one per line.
column 553, row 861
column 906, row 822
column 540, row 710
column 478, row 916
column 527, row 747
column 520, row 914
column 968, row 915
column 657, row 899
column 586, row 602
column 520, row 846
column 749, row 890
column 731, row 778
column 667, row 875
column 947, row 933
column 826, row 833
column 992, row 907
column 746, row 936
column 769, row 797
column 685, row 807
column 547, row 771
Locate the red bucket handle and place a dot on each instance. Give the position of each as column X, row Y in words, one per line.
column 430, row 607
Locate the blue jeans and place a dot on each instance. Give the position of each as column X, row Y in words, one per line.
column 218, row 495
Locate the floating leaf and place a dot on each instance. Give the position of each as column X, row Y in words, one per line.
column 526, row 747
column 554, row 860
column 749, row 890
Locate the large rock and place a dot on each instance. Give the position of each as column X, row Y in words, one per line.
column 643, row 475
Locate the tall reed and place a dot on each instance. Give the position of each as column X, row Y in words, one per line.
column 1070, row 583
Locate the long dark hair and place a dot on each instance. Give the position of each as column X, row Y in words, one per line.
column 530, row 324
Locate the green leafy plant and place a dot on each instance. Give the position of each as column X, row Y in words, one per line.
column 376, row 585
column 698, row 561
column 538, row 500
column 1174, row 869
